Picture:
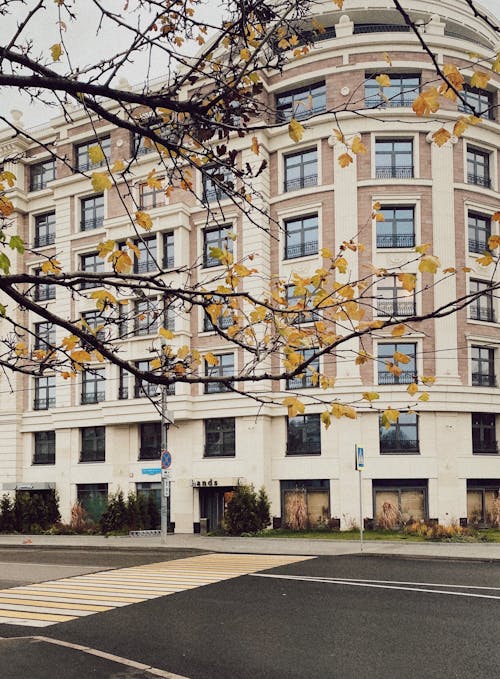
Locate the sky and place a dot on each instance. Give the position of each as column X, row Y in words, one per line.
column 87, row 48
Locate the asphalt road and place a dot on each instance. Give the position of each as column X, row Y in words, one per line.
column 343, row 617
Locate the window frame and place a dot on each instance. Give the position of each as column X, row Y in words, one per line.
column 394, row 445
column 38, row 172
column 224, row 368
column 44, row 448
column 146, row 451
column 395, row 170
column 474, row 96
column 168, row 243
column 147, row 261
column 305, row 379
column 43, row 292
column 82, row 159
column 286, row 111
column 213, row 192
column 476, row 244
column 222, row 241
column 142, row 388
column 310, row 444
column 408, row 374
column 91, row 378
column 86, row 492
column 480, row 162
column 479, row 377
column 481, row 444
column 481, row 309
column 401, row 98
column 97, row 262
column 44, row 229
column 402, row 304
column 306, row 247
column 225, row 427
column 44, row 335
column 394, row 217
column 93, row 444
column 93, row 204
column 151, row 197
column 44, row 384
column 303, row 180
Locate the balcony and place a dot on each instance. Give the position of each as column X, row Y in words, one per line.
column 305, row 382
column 381, row 28
column 301, row 182
column 147, row 266
column 90, row 224
column 483, row 380
column 397, row 101
column 479, row 180
column 42, row 240
column 401, row 445
column 394, row 172
column 146, row 390
column 478, row 246
column 395, row 308
column 396, row 240
column 482, row 314
column 168, row 262
column 122, row 393
column 93, row 397
column 300, row 113
column 483, row 447
column 44, row 403
column 301, row 250
column 406, row 377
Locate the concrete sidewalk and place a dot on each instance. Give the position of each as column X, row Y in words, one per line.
column 300, row 546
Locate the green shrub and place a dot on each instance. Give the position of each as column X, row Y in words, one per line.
column 115, row 516
column 36, row 512
column 246, row 512
column 7, row 515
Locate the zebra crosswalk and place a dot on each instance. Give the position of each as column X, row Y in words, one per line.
column 56, row 601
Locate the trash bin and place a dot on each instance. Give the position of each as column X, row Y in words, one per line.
column 203, row 526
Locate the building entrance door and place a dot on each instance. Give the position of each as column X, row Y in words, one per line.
column 213, row 503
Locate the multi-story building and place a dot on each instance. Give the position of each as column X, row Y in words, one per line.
column 99, row 433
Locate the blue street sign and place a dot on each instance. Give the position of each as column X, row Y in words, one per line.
column 166, row 459
column 150, row 471
column 360, row 458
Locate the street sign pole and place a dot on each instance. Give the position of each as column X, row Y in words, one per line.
column 360, row 465
column 165, row 483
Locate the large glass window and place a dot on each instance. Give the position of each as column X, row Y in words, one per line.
column 93, row 497
column 148, row 255
column 305, row 503
column 216, row 237
column 83, row 162
column 396, row 363
column 45, row 447
column 150, row 433
column 123, row 384
column 94, row 323
column 41, row 174
column 146, row 316
column 150, row 196
column 483, row 366
column 305, row 379
column 301, row 103
column 93, row 444
column 478, row 167
column 220, row 437
column 482, row 498
column 93, row 386
column 304, row 435
column 484, row 437
column 168, row 250
column 301, row 170
column 479, row 231
column 401, row 436
column 45, row 229
column 45, row 392
column 298, row 306
column 394, row 158
column 91, row 263
column 398, row 228
column 45, row 336
column 43, row 291
column 481, row 308
column 392, row 300
column 301, row 236
column 478, row 102
column 398, row 502
column 218, row 183
column 92, row 212
column 143, row 387
column 224, row 368
column 402, row 91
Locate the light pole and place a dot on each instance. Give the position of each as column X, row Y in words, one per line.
column 165, row 483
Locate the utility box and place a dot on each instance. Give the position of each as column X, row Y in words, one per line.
column 203, row 526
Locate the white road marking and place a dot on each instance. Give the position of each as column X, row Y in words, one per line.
column 357, row 583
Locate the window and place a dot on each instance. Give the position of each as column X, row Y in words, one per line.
column 45, row 447
column 94, row 323
column 45, row 393
column 394, row 158
column 301, row 103
column 149, row 496
column 481, row 308
column 45, row 229
column 218, row 183
column 91, row 263
column 148, row 256
column 224, row 319
column 305, row 503
column 403, row 501
column 298, row 302
column 150, row 433
column 224, row 368
column 41, row 174
column 150, row 196
column 146, row 317
column 83, row 162
column 301, row 234
column 140, row 146
column 305, row 379
column 123, row 384
column 401, row 436
column 392, row 300
column 301, row 170
column 168, row 250
column 220, row 437
column 43, row 291
column 398, row 228
column 303, row 435
column 45, row 336
column 143, row 387
column 483, row 367
column 479, row 231
column 484, row 437
column 93, row 497
column 479, row 102
column 478, row 167
column 396, row 370
column 92, row 212
column 482, row 498
column 169, row 319
column 93, row 444
column 402, row 91
column 217, row 237
column 93, row 386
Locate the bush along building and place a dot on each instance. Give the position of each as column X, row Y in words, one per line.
column 100, row 433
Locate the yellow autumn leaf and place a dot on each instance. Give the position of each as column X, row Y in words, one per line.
column 428, row 380
column 144, row 220
column 295, row 407
column 429, row 264
column 493, row 242
column 70, row 342
column 376, row 205
column 412, row 389
column 441, row 136
column 383, row 80
column 295, row 130
column 118, row 166
column 387, row 58
column 339, row 3
column 338, row 410
column 486, row 260
column 450, row 269
column 96, row 154
column 388, row 417
column 183, row 352
column 341, row 264
column 480, row 79
column 80, row 356
column 103, row 298
column 460, row 126
column 101, row 182
column 51, row 266
column 155, row 364
column 8, row 177
column 245, row 54
column 408, row 281
column 21, row 349
column 350, row 412
column 167, row 334
column 398, row 330
column 427, row 102
column 211, row 359
column 345, row 159
column 104, row 248
column 56, row 51
column 326, row 253
column 401, row 358
column 357, row 145
column 153, row 181
column 424, row 396
column 338, row 134
column 495, row 217
column 122, row 262
column 326, row 419
column 255, row 146
column 370, row 396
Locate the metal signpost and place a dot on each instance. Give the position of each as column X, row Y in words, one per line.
column 360, row 465
column 166, row 461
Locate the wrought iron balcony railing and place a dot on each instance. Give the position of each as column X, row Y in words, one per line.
column 406, row 377
column 301, row 250
column 394, row 172
column 396, row 240
column 301, row 182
